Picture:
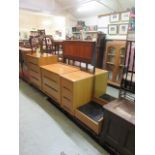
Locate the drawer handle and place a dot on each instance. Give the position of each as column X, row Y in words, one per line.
column 34, row 77
column 33, row 63
column 66, row 88
column 34, row 70
column 50, row 87
column 50, row 79
column 51, row 96
column 66, row 98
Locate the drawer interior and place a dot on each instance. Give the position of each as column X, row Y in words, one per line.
column 91, row 115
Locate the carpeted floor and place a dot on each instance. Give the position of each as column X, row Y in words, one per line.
column 44, row 130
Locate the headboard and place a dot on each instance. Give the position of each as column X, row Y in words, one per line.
column 82, row 51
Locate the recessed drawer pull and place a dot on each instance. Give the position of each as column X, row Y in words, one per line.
column 51, row 96
column 50, row 87
column 34, row 77
column 66, row 98
column 33, row 70
column 33, row 63
column 50, row 79
column 66, row 88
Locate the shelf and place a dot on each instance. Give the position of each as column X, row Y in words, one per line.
column 90, row 31
column 111, row 54
column 110, row 63
column 121, row 65
column 76, row 32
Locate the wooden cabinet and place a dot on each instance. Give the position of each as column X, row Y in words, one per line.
column 77, row 89
column 51, row 82
column 119, row 126
column 114, row 61
column 34, row 62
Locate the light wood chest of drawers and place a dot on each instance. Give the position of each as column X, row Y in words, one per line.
column 34, row 62
column 51, row 81
column 77, row 88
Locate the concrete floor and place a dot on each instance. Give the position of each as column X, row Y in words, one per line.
column 44, row 130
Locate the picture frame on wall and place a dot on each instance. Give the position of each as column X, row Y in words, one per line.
column 112, row 29
column 123, row 29
column 125, row 16
column 114, row 18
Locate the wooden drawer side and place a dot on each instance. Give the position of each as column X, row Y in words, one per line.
column 93, row 125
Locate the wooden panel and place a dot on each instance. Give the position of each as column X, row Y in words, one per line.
column 52, row 92
column 34, row 67
column 32, row 60
column 95, row 126
column 101, row 78
column 66, row 84
column 79, row 50
column 51, row 76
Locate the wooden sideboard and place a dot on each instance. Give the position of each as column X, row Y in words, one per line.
column 34, row 61
column 51, row 81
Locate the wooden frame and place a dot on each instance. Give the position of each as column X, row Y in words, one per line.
column 114, row 17
column 112, row 32
column 123, row 29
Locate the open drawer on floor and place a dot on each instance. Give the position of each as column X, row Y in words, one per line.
column 91, row 115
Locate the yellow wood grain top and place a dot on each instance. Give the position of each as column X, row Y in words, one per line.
column 76, row 76
column 100, row 71
column 60, row 68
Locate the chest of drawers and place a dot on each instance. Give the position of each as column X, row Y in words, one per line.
column 51, row 81
column 34, row 62
column 77, row 90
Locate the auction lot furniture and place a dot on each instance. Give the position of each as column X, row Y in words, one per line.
column 51, row 81
column 34, row 62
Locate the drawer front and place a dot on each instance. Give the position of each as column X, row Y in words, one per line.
column 34, row 68
column 51, row 76
column 34, row 74
column 33, row 60
column 52, row 92
column 35, row 80
column 67, row 103
column 67, row 93
column 52, row 83
column 67, row 85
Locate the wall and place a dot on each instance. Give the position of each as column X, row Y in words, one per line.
column 102, row 23
column 29, row 21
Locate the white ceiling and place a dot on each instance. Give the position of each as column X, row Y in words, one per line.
column 87, row 7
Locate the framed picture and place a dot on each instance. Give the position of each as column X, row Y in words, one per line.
column 123, row 29
column 112, row 29
column 114, row 18
column 125, row 16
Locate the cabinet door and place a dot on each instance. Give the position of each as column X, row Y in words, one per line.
column 110, row 61
column 120, row 64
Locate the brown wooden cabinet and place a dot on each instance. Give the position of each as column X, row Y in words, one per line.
column 114, row 61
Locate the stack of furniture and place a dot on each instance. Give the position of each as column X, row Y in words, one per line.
column 118, row 130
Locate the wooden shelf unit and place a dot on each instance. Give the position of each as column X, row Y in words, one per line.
column 114, row 61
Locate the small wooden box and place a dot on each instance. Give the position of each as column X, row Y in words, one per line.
column 77, row 88
column 34, row 62
column 51, row 79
